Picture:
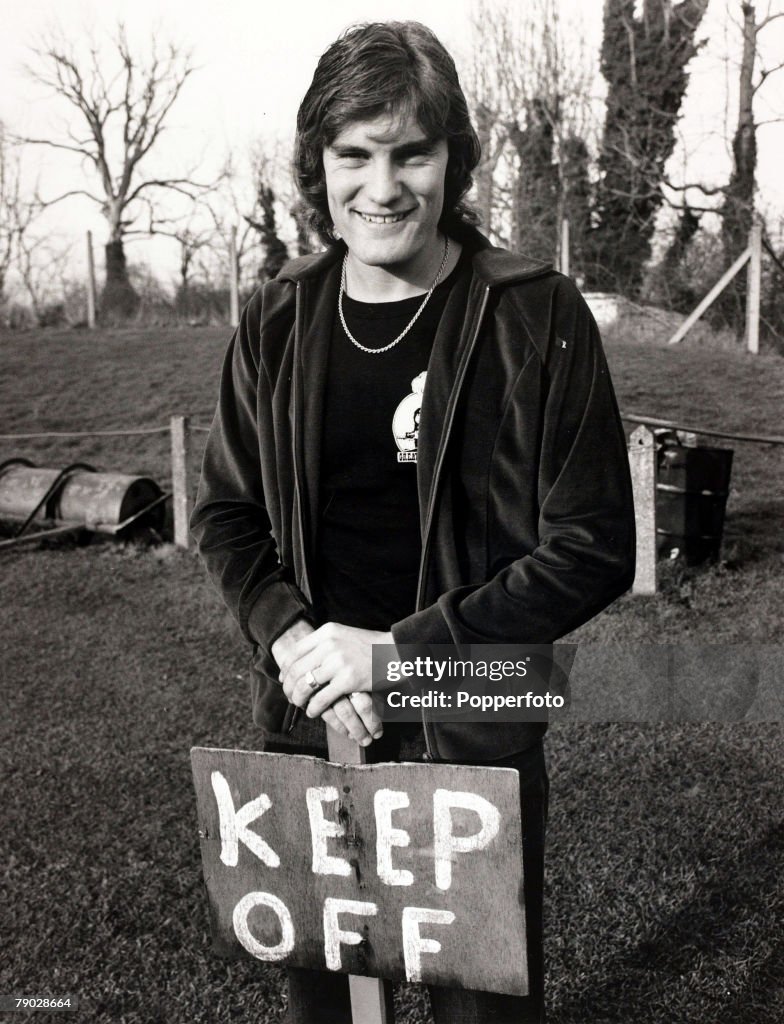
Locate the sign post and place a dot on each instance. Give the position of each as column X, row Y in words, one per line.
column 378, row 871
column 371, row 998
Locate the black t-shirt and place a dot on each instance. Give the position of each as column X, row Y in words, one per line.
column 369, row 544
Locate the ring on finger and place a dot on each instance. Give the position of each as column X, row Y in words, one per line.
column 312, row 682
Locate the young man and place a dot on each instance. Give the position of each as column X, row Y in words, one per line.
column 416, row 441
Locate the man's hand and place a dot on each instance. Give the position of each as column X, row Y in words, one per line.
column 283, row 647
column 339, row 659
column 353, row 717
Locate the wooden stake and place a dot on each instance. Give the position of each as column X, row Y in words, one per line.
column 710, row 298
column 371, row 998
column 753, row 289
column 642, row 463
column 90, row 282
column 234, row 288
column 565, row 246
column 181, row 498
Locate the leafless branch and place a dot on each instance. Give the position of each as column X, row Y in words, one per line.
column 765, row 73
column 129, row 102
column 768, row 19
column 708, row 191
column 68, row 194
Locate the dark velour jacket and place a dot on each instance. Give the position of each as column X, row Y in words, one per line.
column 524, row 488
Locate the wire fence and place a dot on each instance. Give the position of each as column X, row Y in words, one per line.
column 649, row 421
column 642, row 460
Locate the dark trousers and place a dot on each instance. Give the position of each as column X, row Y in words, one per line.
column 322, row 997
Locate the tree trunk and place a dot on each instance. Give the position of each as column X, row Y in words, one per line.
column 483, row 175
column 119, row 299
column 183, row 300
column 738, row 207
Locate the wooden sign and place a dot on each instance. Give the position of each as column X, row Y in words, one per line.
column 401, row 871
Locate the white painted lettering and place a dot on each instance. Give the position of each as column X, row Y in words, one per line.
column 446, row 844
column 384, row 802
column 234, row 825
column 250, row 942
column 413, row 943
column 321, row 830
column 334, row 935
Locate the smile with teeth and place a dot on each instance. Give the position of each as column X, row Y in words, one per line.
column 382, row 218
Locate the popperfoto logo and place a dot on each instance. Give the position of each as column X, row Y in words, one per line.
column 477, row 682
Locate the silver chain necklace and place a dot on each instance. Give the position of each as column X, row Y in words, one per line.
column 412, row 321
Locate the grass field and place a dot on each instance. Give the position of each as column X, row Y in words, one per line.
column 666, row 843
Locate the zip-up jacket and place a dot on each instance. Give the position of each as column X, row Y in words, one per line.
column 522, row 471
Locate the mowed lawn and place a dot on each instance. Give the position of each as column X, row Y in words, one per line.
column 666, row 842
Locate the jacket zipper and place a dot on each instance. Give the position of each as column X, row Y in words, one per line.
column 294, row 715
column 437, row 471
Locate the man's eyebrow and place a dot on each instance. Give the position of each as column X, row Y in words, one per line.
column 346, row 147
column 414, row 146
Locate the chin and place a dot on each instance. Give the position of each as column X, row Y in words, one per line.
column 384, row 252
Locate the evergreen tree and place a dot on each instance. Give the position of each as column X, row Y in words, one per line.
column 644, row 61
column 275, row 250
column 535, row 196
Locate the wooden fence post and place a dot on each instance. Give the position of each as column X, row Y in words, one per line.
column 234, row 288
column 90, row 282
column 753, row 289
column 371, row 998
column 710, row 298
column 642, row 463
column 181, row 498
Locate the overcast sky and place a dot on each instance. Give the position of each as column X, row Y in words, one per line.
column 255, row 59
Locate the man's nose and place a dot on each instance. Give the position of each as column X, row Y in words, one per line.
column 384, row 186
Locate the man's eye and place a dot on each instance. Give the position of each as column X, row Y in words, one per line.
column 416, row 157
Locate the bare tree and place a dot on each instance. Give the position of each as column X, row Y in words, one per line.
column 228, row 207
column 192, row 236
column 735, row 200
column 9, row 196
column 529, row 85
column 16, row 212
column 42, row 264
column 120, row 116
column 738, row 206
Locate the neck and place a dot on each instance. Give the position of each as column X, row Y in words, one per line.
column 391, row 283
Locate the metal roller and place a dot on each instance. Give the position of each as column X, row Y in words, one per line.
column 77, row 496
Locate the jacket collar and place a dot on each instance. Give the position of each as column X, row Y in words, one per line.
column 491, row 264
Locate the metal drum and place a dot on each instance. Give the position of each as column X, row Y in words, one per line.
column 691, row 497
column 98, row 501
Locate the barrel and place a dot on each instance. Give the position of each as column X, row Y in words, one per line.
column 99, row 501
column 691, row 498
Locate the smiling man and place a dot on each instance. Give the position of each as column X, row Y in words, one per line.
column 385, row 190
column 416, row 441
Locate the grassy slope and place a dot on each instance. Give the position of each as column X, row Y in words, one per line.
column 666, row 843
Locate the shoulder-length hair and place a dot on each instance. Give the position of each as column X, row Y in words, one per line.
column 396, row 67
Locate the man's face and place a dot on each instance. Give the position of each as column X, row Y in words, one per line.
column 385, row 188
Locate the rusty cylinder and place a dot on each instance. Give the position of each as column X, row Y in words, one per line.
column 99, row 501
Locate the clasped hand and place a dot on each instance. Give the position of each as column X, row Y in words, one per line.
column 339, row 660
